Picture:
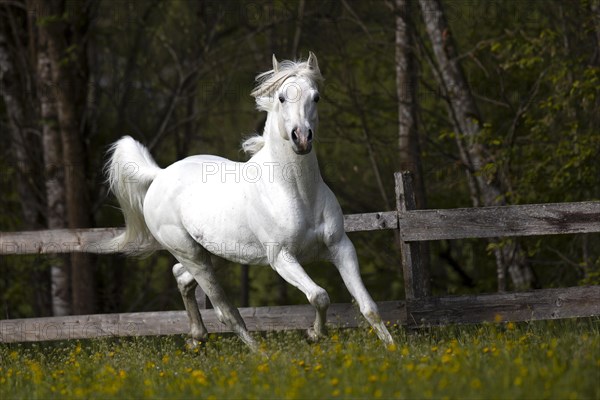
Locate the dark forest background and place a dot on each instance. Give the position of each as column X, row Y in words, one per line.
column 487, row 102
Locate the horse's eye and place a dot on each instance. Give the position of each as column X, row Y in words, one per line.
column 317, row 98
column 281, row 98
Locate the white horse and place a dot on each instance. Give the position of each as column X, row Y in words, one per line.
column 274, row 209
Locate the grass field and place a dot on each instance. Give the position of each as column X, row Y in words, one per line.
column 552, row 360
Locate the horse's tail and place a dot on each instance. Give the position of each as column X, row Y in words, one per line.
column 130, row 170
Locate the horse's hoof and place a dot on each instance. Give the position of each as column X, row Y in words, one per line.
column 193, row 344
column 315, row 336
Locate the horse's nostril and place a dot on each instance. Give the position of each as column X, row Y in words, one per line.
column 294, row 135
column 310, row 135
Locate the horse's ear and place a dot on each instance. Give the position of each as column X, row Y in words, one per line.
column 275, row 64
column 312, row 61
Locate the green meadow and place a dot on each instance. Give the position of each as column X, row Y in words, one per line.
column 540, row 360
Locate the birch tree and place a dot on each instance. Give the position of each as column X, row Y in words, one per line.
column 65, row 33
column 486, row 187
column 54, row 179
column 17, row 92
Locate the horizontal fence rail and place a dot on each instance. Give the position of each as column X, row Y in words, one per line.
column 488, row 222
column 419, row 310
column 57, row 241
column 86, row 240
column 540, row 304
column 276, row 318
column 414, row 225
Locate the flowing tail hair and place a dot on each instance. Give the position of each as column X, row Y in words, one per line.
column 130, row 171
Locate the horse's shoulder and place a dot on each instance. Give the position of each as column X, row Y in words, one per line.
column 329, row 200
column 333, row 218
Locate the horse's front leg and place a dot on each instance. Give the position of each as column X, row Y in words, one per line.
column 343, row 255
column 286, row 265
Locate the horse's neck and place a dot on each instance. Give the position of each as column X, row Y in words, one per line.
column 299, row 175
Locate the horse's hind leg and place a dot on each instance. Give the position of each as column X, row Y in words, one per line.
column 202, row 270
column 187, row 285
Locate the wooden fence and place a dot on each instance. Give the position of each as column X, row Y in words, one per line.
column 417, row 310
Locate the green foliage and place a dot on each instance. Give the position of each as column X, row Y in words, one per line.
column 556, row 359
column 24, row 295
column 533, row 67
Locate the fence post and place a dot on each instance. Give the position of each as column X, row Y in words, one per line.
column 416, row 281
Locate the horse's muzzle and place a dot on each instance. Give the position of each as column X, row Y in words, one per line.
column 302, row 141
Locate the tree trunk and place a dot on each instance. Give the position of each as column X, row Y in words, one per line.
column 409, row 152
column 468, row 125
column 23, row 142
column 54, row 179
column 406, row 87
column 18, row 97
column 67, row 55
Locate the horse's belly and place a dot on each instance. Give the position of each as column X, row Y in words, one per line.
column 242, row 252
column 215, row 217
column 227, row 239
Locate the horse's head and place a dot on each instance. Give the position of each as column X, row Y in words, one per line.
column 290, row 91
column 296, row 105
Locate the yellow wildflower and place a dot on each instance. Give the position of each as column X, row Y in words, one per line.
column 518, row 381
column 263, row 367
column 200, row 376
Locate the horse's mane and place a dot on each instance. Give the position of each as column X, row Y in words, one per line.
column 267, row 84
